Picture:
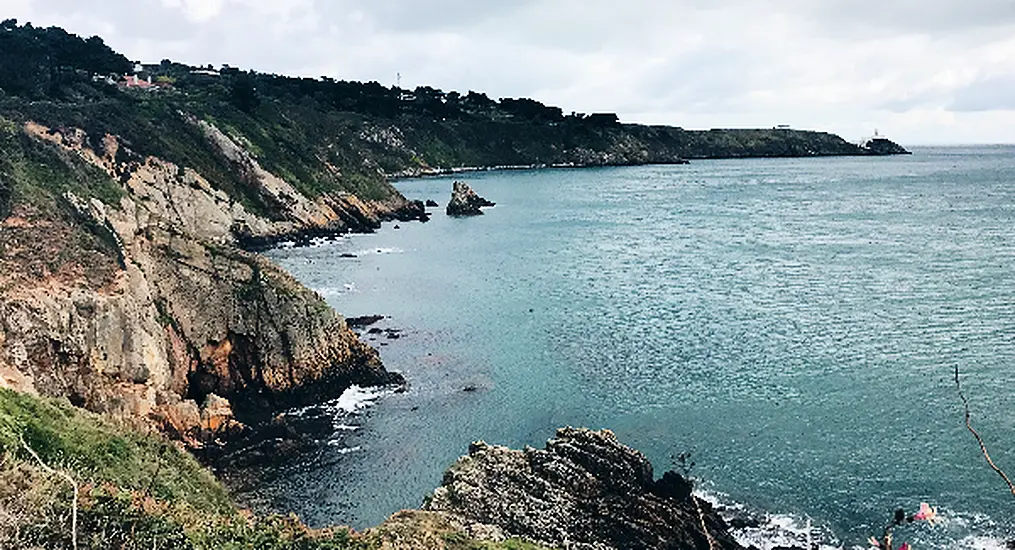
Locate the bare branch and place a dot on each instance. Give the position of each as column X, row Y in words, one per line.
column 701, row 518
column 65, row 475
column 983, row 448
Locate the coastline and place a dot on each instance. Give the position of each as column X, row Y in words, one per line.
column 413, row 173
column 428, row 172
column 775, row 519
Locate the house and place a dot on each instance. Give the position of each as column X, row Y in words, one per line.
column 133, row 82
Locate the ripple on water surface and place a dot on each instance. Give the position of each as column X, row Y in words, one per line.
column 794, row 322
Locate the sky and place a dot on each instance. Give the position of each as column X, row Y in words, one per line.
column 919, row 71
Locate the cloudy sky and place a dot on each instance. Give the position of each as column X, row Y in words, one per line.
column 921, row 71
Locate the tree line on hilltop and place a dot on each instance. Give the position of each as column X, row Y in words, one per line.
column 39, row 63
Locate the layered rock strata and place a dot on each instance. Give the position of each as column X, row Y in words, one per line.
column 148, row 309
column 585, row 490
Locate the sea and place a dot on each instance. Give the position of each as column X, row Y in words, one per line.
column 795, row 325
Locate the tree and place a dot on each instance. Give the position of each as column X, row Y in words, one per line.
column 530, row 109
column 242, row 93
column 603, row 119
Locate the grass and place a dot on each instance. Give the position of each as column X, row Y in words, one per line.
column 137, row 490
column 140, row 491
column 101, row 453
column 40, row 174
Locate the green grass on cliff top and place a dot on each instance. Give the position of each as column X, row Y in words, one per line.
column 139, row 491
column 38, row 174
column 97, row 451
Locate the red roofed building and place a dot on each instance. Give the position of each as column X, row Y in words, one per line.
column 131, row 81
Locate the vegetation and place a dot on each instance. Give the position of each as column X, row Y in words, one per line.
column 328, row 136
column 51, row 239
column 322, row 136
column 140, row 491
column 41, row 63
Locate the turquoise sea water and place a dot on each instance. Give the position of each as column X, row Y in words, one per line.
column 794, row 323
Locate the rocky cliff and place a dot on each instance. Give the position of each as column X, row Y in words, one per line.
column 138, row 301
column 585, row 490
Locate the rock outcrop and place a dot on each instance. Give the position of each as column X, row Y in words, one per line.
column 585, row 490
column 465, row 202
column 883, row 146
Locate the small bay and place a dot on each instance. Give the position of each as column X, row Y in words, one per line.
column 794, row 323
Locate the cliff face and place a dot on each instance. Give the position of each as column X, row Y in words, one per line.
column 142, row 306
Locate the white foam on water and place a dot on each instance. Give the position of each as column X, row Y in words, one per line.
column 356, row 398
column 316, row 242
column 353, row 400
column 327, row 291
column 773, row 530
column 345, row 450
column 983, row 543
column 345, row 428
column 378, row 251
column 776, row 530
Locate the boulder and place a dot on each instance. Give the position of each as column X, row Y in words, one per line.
column 430, row 203
column 465, row 201
column 362, row 321
column 217, row 415
column 585, row 490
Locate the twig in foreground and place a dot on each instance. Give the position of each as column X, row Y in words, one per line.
column 983, row 448
column 65, row 475
column 701, row 518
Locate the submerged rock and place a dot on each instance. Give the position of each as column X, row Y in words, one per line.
column 430, row 203
column 585, row 490
column 465, row 201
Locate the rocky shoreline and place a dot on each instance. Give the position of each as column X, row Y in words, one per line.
column 153, row 312
column 426, row 172
column 129, row 288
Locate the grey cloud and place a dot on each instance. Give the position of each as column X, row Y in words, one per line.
column 988, row 94
column 865, row 17
column 420, row 15
column 135, row 18
column 837, row 61
column 709, row 80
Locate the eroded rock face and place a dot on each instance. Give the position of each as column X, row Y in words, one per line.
column 584, row 490
column 465, row 201
column 162, row 318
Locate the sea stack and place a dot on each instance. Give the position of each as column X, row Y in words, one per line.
column 465, row 202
